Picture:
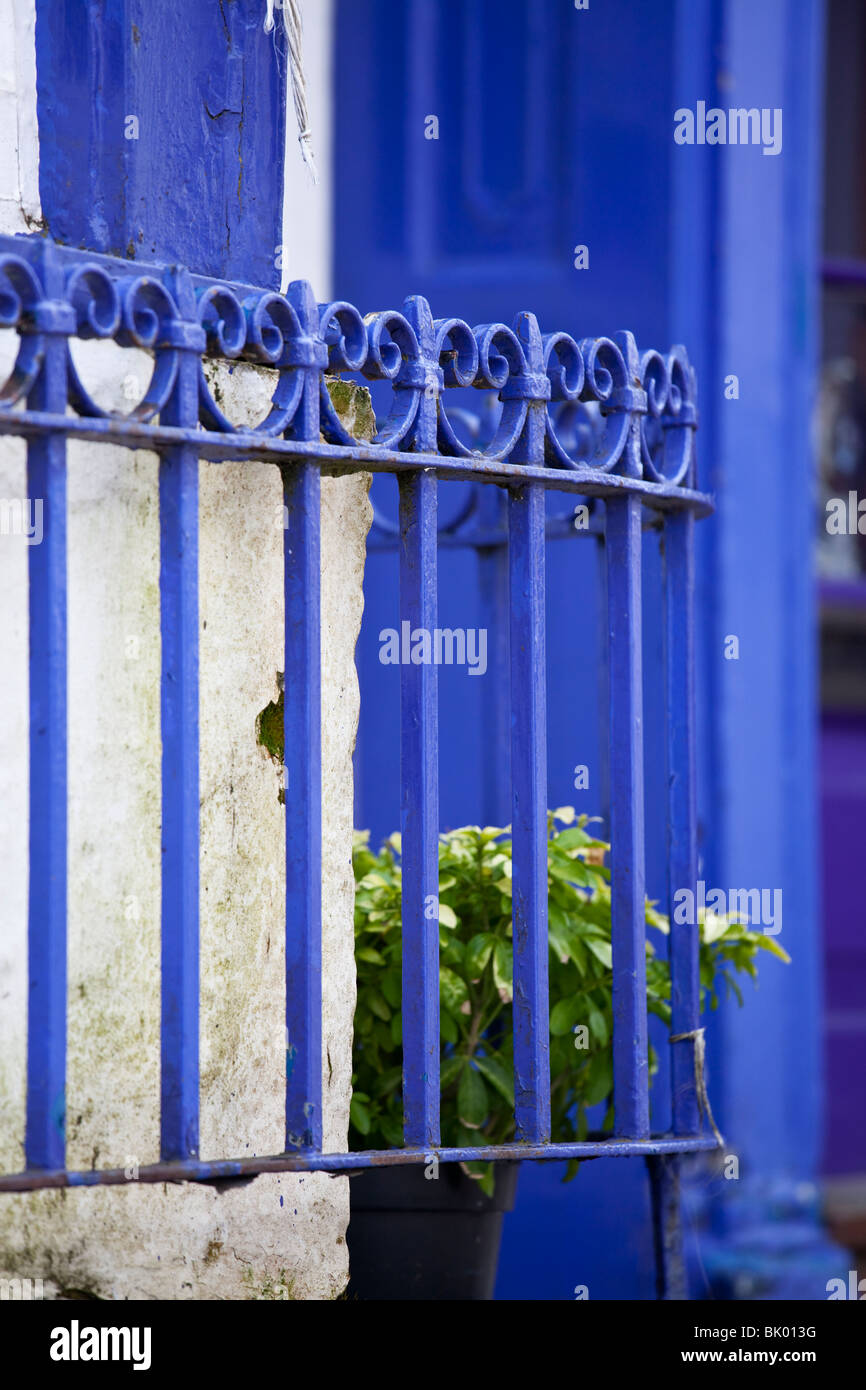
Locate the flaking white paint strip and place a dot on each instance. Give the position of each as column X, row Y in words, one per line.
column 307, row 237
column 293, row 27
column 20, row 209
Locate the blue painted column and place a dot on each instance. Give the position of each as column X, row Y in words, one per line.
column 744, row 294
column 161, row 132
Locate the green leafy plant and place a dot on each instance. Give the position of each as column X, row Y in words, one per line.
column 475, row 981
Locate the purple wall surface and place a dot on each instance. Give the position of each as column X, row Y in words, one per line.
column 843, row 817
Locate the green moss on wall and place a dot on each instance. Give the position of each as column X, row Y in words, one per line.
column 353, row 405
column 269, row 728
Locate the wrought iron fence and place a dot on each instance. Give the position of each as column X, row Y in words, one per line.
column 637, row 454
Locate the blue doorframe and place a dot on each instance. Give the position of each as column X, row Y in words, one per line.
column 745, row 293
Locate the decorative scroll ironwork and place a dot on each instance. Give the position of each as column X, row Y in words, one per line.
column 565, row 404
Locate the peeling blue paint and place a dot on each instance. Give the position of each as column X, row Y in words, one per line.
column 198, row 178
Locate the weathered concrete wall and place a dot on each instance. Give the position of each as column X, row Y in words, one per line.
column 279, row 1236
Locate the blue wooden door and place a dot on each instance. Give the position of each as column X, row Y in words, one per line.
column 550, row 131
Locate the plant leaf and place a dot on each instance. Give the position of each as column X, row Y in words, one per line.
column 392, row 988
column 498, row 1076
column 378, row 1005
column 392, row 1130
column 597, row 1024
column 600, row 1080
column 601, row 950
column 478, row 953
column 448, row 1030
column 450, row 1071
column 713, row 926
column 565, row 1014
column 359, row 1115
column 452, row 990
column 769, row 943
column 367, row 954
column 472, row 1103
column 572, row 838
column 503, row 970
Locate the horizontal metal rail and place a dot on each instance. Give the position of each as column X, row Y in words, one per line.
column 226, row 1169
column 636, row 453
column 248, row 446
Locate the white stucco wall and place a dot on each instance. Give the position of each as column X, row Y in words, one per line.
column 19, row 146
column 307, row 241
column 279, row 1236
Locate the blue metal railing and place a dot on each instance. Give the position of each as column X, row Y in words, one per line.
column 641, row 460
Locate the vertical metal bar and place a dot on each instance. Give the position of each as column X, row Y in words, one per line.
column 419, row 821
column 679, row 582
column 302, row 755
column 303, row 794
column 526, row 515
column 664, row 1174
column 495, row 749
column 630, row 1059
column 178, row 588
column 45, row 1136
column 603, row 679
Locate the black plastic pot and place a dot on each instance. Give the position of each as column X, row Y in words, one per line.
column 417, row 1237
